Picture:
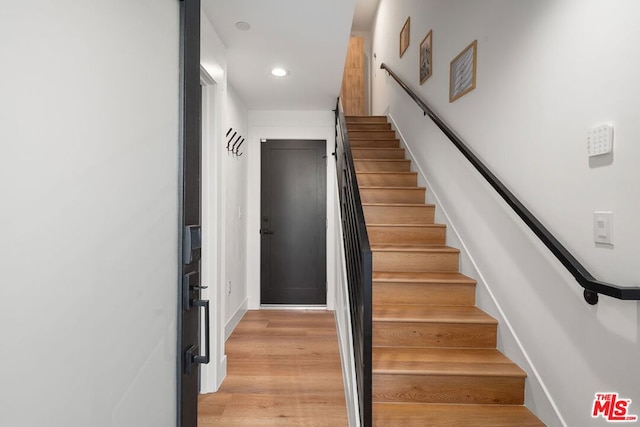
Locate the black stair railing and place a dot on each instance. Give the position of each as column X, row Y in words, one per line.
column 358, row 266
column 592, row 287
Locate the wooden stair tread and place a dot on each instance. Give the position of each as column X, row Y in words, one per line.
column 407, row 225
column 394, row 205
column 382, row 149
column 443, row 361
column 414, row 248
column 383, row 160
column 381, row 137
column 452, row 415
column 431, row 313
column 380, row 187
column 387, row 172
column 360, row 142
column 421, row 277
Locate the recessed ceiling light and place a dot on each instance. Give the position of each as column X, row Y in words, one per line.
column 279, row 72
column 243, row 26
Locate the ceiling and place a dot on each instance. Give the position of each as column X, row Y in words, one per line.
column 307, row 38
column 364, row 14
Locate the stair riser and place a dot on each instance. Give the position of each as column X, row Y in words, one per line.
column 399, row 214
column 448, row 389
column 415, row 261
column 366, row 119
column 444, row 415
column 382, row 166
column 368, row 126
column 424, row 293
column 388, row 179
column 394, row 195
column 370, row 143
column 372, row 134
column 378, row 153
column 406, row 235
column 434, row 334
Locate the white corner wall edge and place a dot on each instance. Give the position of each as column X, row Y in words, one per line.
column 342, row 315
column 236, row 318
column 531, row 370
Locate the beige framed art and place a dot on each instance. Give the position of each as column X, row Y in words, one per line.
column 404, row 36
column 426, row 57
column 463, row 72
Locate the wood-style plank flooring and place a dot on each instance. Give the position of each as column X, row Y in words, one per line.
column 283, row 369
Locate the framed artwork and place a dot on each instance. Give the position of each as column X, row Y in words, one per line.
column 404, row 36
column 463, row 72
column 426, row 57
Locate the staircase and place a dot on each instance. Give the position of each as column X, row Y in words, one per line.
column 435, row 361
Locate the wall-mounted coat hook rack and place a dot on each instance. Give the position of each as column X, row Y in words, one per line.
column 234, row 142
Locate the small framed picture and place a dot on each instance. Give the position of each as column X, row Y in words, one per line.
column 404, row 36
column 426, row 57
column 463, row 72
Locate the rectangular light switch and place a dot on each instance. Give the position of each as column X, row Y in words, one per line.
column 603, row 227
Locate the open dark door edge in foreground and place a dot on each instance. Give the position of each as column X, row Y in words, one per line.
column 190, row 355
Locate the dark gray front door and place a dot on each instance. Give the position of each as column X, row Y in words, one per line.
column 293, row 228
column 190, row 352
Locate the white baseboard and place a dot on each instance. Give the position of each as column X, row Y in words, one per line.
column 235, row 319
column 222, row 371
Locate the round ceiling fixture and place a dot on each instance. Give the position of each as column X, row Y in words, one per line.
column 243, row 26
column 279, row 72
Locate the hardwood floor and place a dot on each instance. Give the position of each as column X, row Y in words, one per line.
column 283, row 369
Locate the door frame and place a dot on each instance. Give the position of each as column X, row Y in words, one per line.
column 264, row 143
column 212, row 375
column 301, row 126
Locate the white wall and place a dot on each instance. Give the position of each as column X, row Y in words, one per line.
column 224, row 203
column 547, row 71
column 234, row 183
column 89, row 218
column 285, row 125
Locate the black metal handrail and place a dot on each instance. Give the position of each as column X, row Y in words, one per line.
column 358, row 266
column 592, row 287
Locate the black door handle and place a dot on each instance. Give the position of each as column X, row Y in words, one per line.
column 266, row 231
column 207, row 351
column 191, row 357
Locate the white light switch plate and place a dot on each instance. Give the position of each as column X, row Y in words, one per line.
column 600, row 140
column 603, row 227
